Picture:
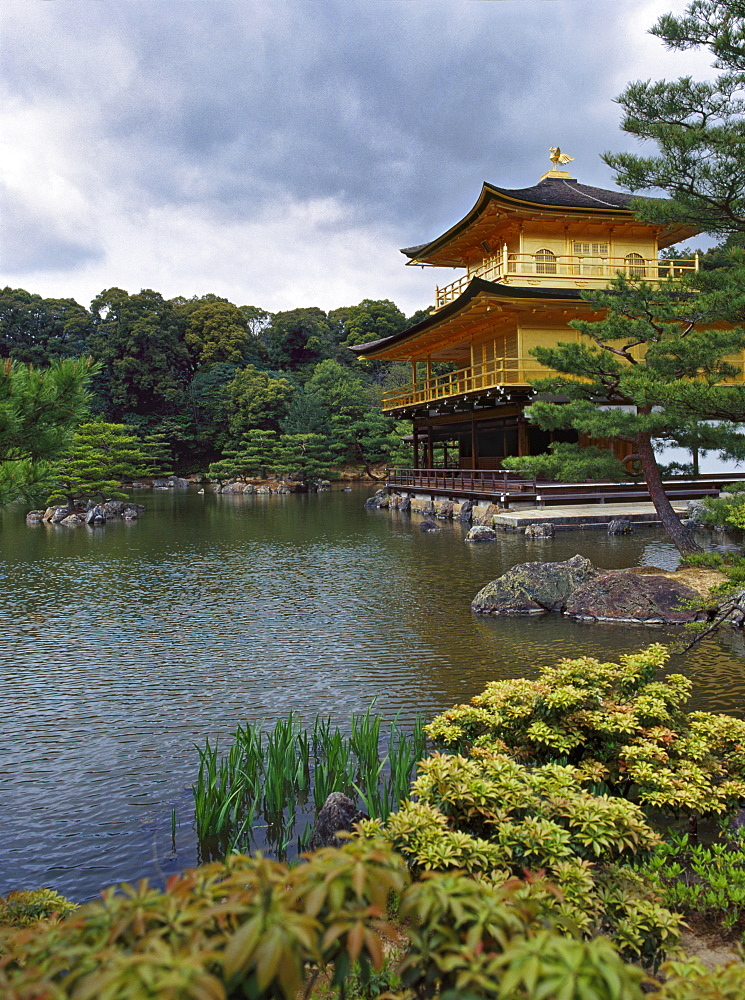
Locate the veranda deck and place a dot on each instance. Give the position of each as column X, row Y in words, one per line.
column 509, row 490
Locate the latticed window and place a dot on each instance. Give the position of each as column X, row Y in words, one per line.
column 635, row 265
column 545, row 262
column 590, row 249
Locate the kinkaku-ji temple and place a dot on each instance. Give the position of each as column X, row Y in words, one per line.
column 527, row 254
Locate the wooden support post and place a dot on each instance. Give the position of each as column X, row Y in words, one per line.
column 474, row 445
column 416, row 447
column 523, row 443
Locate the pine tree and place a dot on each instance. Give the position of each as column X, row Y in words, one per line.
column 655, row 368
column 666, row 355
column 39, row 409
column 303, row 457
column 697, row 126
column 255, row 457
column 157, row 448
column 101, row 457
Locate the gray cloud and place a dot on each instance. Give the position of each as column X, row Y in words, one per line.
column 31, row 242
column 396, row 110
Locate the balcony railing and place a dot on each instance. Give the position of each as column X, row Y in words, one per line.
column 501, row 372
column 489, row 375
column 563, row 272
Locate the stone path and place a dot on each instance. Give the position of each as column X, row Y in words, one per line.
column 592, row 515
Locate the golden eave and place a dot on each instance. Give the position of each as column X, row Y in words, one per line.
column 496, row 213
column 447, row 335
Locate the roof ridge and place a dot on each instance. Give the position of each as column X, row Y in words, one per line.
column 592, row 197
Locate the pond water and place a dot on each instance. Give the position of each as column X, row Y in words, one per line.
column 124, row 646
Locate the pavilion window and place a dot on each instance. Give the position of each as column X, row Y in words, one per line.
column 545, row 262
column 590, row 249
column 635, row 265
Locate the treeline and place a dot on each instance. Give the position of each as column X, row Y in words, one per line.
column 202, row 373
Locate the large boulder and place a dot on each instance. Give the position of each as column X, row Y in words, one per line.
column 377, row 499
column 697, row 510
column 95, row 514
column 534, row 587
column 71, row 521
column 423, row 505
column 630, row 597
column 463, row 511
column 485, row 515
column 443, row 509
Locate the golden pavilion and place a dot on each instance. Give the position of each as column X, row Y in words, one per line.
column 523, row 258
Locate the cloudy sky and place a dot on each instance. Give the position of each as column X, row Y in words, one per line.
column 280, row 152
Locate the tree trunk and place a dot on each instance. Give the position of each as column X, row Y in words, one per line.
column 681, row 536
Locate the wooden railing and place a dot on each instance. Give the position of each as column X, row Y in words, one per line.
column 506, row 487
column 488, row 375
column 562, row 271
column 488, row 481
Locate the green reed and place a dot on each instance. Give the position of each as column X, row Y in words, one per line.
column 256, row 794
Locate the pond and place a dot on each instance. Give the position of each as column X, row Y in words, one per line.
column 125, row 646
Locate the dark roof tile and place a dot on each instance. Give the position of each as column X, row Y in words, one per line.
column 568, row 194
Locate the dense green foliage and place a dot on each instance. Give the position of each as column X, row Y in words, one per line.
column 101, row 456
column 252, row 928
column 202, row 373
column 621, row 724
column 39, row 411
column 702, row 881
column 26, row 907
column 570, row 464
column 496, row 819
column 727, row 510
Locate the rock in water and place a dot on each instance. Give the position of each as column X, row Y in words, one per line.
column 544, row 530
column 534, row 587
column 429, row 526
column 481, row 533
column 338, row 813
column 630, row 597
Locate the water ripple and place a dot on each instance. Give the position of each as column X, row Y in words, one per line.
column 123, row 647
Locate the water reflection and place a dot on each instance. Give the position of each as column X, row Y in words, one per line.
column 124, row 646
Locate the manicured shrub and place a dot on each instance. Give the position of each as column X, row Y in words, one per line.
column 496, row 819
column 25, row 907
column 253, row 928
column 622, row 725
